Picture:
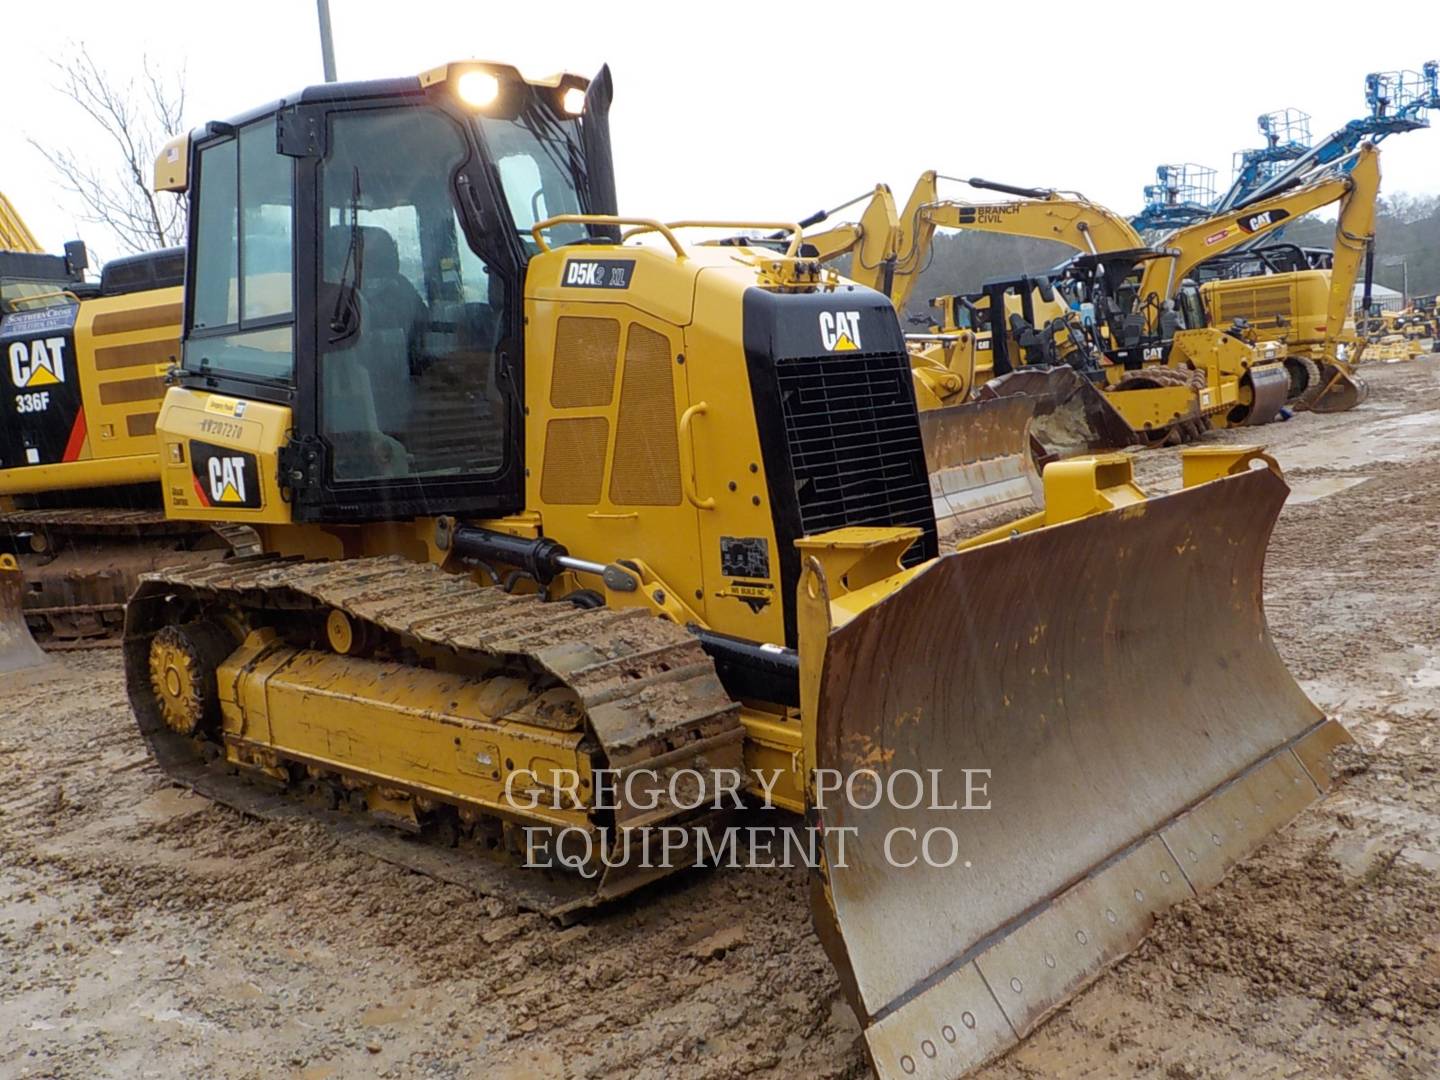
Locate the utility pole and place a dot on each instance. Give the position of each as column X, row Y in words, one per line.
column 1404, row 263
column 327, row 42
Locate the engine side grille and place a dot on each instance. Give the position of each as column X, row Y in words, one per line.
column 1257, row 304
column 855, row 449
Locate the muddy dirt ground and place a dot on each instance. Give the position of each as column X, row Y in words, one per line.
column 145, row 932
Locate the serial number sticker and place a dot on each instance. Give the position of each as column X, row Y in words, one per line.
column 224, row 429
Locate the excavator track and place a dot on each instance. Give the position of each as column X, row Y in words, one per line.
column 638, row 692
column 80, row 565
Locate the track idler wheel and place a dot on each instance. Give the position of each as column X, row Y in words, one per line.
column 183, row 660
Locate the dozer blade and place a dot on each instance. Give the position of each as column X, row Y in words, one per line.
column 978, row 457
column 1071, row 415
column 17, row 648
column 1338, row 390
column 1138, row 734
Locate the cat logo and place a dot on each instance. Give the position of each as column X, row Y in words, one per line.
column 227, row 480
column 1256, row 222
column 37, row 363
column 225, row 477
column 840, row 331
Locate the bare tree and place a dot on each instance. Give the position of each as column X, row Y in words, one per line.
column 139, row 116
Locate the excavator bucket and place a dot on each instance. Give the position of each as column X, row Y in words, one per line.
column 979, row 460
column 17, row 648
column 1071, row 415
column 1100, row 727
column 1339, row 390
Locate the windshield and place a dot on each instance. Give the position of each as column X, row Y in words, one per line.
column 541, row 163
column 20, row 295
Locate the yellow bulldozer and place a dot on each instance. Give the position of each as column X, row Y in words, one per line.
column 572, row 529
column 82, row 368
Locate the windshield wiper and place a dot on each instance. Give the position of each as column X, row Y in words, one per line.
column 345, row 319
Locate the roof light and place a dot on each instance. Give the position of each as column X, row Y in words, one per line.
column 573, row 101
column 477, row 88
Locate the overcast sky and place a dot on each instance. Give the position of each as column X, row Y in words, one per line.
column 736, row 108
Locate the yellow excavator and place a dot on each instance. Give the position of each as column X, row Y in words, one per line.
column 1046, row 352
column 1322, row 358
column 82, row 368
column 571, row 529
column 1137, row 294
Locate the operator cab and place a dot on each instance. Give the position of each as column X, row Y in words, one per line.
column 29, row 281
column 358, row 254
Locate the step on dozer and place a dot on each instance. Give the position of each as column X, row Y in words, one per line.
column 1135, row 729
column 17, row 648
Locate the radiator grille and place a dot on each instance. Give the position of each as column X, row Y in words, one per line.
column 574, row 461
column 647, row 452
column 1261, row 303
column 583, row 373
column 855, row 448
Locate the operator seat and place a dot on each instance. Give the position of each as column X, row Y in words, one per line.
column 365, row 378
column 394, row 301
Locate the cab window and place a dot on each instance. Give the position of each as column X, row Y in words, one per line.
column 410, row 316
column 241, row 312
column 17, row 294
column 535, row 156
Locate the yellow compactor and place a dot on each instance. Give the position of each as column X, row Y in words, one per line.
column 550, row 500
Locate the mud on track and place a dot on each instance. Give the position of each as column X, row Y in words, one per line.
column 145, row 932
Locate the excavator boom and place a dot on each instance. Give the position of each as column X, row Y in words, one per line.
column 1187, row 247
column 15, row 235
column 1041, row 215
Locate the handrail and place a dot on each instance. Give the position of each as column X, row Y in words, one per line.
column 796, row 233
column 31, row 298
column 645, row 225
column 687, row 455
column 642, row 225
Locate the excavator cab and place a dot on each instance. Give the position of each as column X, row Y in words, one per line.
column 32, row 279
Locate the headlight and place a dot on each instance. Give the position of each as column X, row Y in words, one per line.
column 477, row 88
column 573, row 101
